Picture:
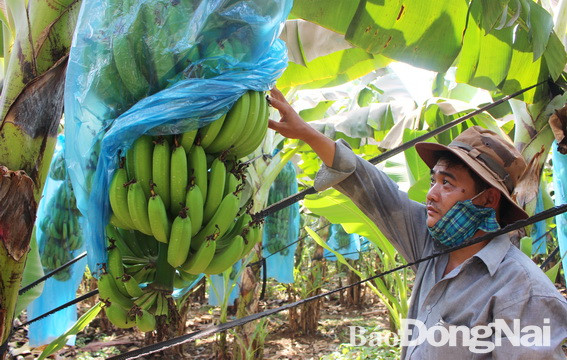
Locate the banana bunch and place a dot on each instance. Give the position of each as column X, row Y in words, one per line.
column 177, row 211
column 241, row 130
column 60, row 232
column 133, row 260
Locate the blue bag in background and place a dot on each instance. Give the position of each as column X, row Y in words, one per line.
column 217, row 286
column 157, row 67
column 342, row 242
column 560, row 185
column 281, row 228
column 58, row 234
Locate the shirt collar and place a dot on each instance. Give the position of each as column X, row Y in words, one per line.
column 493, row 253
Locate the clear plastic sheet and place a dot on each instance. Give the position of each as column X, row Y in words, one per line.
column 59, row 240
column 158, row 67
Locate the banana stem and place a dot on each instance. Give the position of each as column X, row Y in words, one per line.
column 164, row 271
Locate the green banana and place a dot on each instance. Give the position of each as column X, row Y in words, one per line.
column 256, row 135
column 132, row 286
column 220, row 222
column 251, row 238
column 145, row 274
column 197, row 167
column 252, row 119
column 178, row 179
column 241, row 223
column 148, row 243
column 146, row 300
column 194, row 204
column 209, row 132
column 134, row 269
column 181, row 279
column 138, row 208
column 113, row 220
column 232, row 126
column 231, row 183
column 162, row 56
column 217, row 178
column 161, row 168
column 128, row 69
column 226, row 258
column 118, row 316
column 187, row 139
column 129, row 239
column 199, row 260
column 118, row 195
column 114, row 263
column 108, row 290
column 114, row 238
column 180, row 239
column 142, row 154
column 145, row 321
column 159, row 221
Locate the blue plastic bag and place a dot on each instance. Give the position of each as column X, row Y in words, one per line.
column 281, row 228
column 560, row 185
column 220, row 49
column 218, row 286
column 59, row 240
column 342, row 242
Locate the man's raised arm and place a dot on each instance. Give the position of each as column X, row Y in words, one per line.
column 292, row 126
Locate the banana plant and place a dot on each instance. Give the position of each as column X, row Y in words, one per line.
column 36, row 40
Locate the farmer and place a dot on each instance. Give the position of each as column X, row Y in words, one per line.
column 491, row 283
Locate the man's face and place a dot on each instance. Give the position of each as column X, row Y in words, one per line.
column 449, row 184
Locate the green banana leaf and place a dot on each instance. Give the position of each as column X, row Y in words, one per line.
column 83, row 321
column 331, row 70
column 337, row 208
column 497, row 44
column 317, row 112
column 416, row 168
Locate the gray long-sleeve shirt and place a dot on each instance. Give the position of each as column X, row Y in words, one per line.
column 499, row 286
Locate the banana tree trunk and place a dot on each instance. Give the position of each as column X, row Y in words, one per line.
column 533, row 136
column 28, row 135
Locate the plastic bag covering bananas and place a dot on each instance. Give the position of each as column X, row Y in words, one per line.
column 277, row 225
column 60, row 234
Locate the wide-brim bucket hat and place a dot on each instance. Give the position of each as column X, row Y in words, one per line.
column 491, row 157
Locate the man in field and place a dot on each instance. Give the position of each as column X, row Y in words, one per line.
column 484, row 301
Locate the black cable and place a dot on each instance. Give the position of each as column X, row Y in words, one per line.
column 51, row 273
column 261, row 261
column 239, row 322
column 61, row 307
column 388, row 154
column 264, row 278
column 549, row 258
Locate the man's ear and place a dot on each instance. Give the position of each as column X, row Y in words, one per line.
column 490, row 198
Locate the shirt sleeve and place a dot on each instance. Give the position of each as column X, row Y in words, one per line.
column 401, row 220
column 542, row 321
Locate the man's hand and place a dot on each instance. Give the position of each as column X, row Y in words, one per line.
column 292, row 126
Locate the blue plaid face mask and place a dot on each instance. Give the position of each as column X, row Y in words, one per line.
column 461, row 222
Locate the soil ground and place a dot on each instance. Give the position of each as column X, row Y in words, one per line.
column 100, row 340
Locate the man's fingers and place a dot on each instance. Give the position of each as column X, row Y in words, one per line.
column 279, row 105
column 274, row 125
column 277, row 94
